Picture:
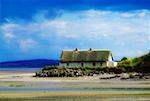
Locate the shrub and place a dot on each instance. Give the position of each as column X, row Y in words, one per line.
column 49, row 67
column 124, row 58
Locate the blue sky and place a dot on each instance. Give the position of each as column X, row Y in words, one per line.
column 33, row 29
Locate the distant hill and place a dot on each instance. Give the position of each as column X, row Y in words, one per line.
column 29, row 63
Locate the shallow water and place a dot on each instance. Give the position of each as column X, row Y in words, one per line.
column 20, row 69
column 73, row 86
column 68, row 86
column 11, row 89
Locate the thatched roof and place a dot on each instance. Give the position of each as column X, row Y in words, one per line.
column 85, row 56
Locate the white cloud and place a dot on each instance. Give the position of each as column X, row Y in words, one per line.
column 7, row 30
column 139, row 13
column 92, row 28
column 9, row 35
column 95, row 13
column 148, row 37
column 27, row 44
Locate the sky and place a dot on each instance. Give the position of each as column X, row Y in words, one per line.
column 41, row 29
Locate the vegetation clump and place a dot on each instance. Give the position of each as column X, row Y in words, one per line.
column 138, row 64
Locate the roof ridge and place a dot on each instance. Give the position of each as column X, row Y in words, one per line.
column 89, row 50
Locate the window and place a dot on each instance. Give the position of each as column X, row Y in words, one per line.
column 104, row 63
column 67, row 64
column 101, row 64
column 94, row 64
column 82, row 64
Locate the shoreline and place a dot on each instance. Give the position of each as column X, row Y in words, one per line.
column 29, row 76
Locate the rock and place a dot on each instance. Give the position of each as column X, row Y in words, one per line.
column 109, row 76
column 124, row 76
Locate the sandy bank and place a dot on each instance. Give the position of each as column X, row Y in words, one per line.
column 28, row 76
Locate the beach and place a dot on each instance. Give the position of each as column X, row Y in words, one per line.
column 16, row 86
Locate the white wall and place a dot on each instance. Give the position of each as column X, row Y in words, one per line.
column 74, row 64
column 62, row 64
column 101, row 64
column 110, row 58
column 115, row 64
column 84, row 64
column 111, row 63
column 88, row 64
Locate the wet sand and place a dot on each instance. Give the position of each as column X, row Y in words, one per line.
column 75, row 96
column 15, row 79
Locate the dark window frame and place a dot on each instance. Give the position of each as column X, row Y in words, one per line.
column 82, row 64
column 94, row 64
column 101, row 63
column 67, row 64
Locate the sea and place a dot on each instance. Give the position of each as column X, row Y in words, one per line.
column 25, row 69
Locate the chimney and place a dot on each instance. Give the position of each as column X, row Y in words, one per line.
column 76, row 49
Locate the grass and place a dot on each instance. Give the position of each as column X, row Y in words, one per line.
column 72, row 96
column 138, row 64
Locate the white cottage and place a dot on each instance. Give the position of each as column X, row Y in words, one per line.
column 87, row 58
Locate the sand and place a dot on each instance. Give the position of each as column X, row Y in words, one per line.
column 28, row 76
column 26, row 79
